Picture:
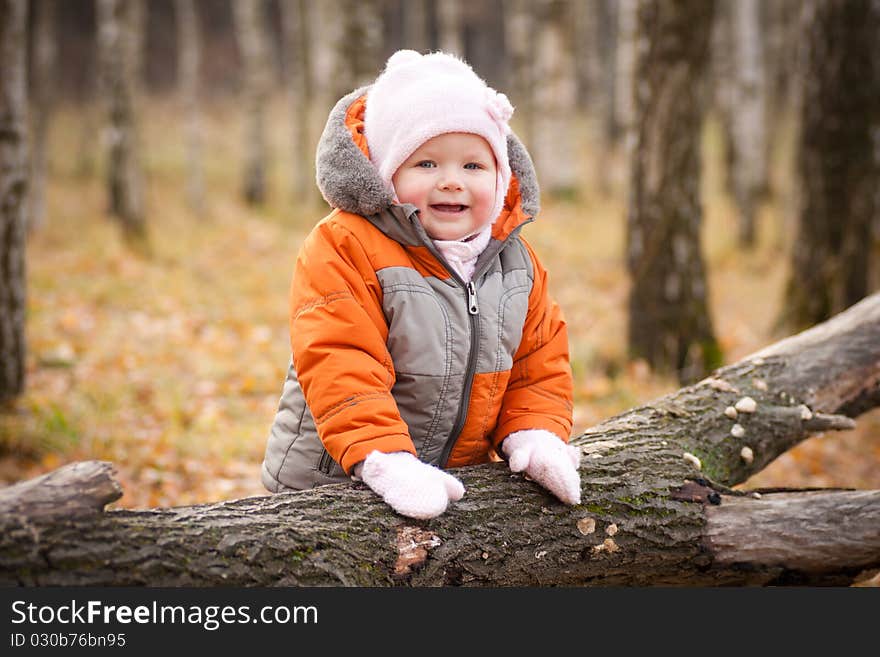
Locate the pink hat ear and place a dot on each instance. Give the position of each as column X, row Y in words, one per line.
column 402, row 57
column 499, row 108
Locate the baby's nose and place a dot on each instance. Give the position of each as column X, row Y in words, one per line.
column 449, row 182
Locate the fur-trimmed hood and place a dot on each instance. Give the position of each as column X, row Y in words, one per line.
column 349, row 181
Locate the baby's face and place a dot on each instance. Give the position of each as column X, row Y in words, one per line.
column 451, row 180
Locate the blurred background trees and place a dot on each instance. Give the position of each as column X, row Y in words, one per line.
column 657, row 127
column 669, row 322
column 13, row 193
column 839, row 155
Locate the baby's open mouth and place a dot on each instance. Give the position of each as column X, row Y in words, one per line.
column 448, row 207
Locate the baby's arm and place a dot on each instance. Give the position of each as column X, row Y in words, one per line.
column 536, row 411
column 338, row 337
column 338, row 340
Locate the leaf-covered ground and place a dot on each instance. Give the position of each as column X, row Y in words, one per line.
column 170, row 364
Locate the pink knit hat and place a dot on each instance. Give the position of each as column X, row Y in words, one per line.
column 418, row 97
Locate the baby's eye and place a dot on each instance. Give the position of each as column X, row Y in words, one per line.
column 426, row 164
column 473, row 165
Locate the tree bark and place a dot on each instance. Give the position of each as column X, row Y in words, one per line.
column 119, row 22
column 838, row 168
column 13, row 194
column 657, row 505
column 669, row 322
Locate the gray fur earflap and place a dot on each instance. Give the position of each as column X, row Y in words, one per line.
column 349, row 181
column 521, row 166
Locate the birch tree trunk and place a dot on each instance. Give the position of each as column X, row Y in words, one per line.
column 519, row 27
column 484, row 40
column 415, row 25
column 331, row 79
column 555, row 151
column 13, row 194
column 118, row 22
column 749, row 118
column 346, row 46
column 251, row 35
column 189, row 50
column 604, row 102
column 450, row 26
column 585, row 48
column 784, row 41
column 722, row 79
column 43, row 98
column 590, row 20
column 624, row 71
column 657, row 507
column 837, row 161
column 361, row 45
column 295, row 23
column 669, row 322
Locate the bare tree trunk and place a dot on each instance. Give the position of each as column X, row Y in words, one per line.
column 784, row 41
column 485, row 42
column 589, row 21
column 295, row 23
column 519, row 29
column 251, row 34
column 585, row 48
column 624, row 72
column 657, row 507
column 837, row 163
column 43, row 98
column 604, row 103
column 749, row 118
column 555, row 150
column 13, row 195
column 361, row 45
column 118, row 22
column 415, row 25
column 189, row 50
column 450, row 26
column 331, row 78
column 89, row 109
column 721, row 79
column 669, row 322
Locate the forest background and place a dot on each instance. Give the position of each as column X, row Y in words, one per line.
column 159, row 342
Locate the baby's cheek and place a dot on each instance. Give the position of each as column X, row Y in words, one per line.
column 485, row 199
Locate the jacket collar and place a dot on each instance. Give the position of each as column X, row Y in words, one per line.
column 349, row 181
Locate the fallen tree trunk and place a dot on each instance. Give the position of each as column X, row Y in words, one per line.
column 658, row 507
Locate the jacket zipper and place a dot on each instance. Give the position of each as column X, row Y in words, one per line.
column 474, row 316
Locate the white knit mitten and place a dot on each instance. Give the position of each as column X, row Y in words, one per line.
column 546, row 459
column 409, row 486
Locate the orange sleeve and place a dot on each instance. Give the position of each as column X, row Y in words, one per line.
column 338, row 338
column 540, row 391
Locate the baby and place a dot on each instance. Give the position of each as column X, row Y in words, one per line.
column 422, row 332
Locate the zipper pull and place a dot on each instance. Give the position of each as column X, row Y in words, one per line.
column 473, row 308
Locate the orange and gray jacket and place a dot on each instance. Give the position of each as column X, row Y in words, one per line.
column 391, row 350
